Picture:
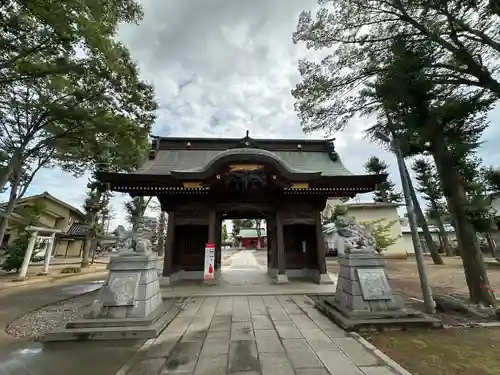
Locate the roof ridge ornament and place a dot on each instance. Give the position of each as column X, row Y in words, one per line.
column 334, row 156
column 155, row 147
column 247, row 142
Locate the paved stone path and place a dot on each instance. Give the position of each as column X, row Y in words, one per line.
column 253, row 335
column 241, row 268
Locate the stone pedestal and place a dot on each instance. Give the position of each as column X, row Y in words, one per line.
column 132, row 289
column 363, row 287
column 365, row 299
column 129, row 304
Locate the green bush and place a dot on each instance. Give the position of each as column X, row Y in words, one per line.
column 16, row 251
column 15, row 254
column 381, row 232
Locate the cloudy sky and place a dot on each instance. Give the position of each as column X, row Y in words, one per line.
column 221, row 67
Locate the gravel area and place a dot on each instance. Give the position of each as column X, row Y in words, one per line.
column 35, row 324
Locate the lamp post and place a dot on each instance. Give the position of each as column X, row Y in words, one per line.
column 419, row 256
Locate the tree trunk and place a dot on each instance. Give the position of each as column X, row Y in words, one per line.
column 91, row 235
column 472, row 258
column 436, row 258
column 86, row 252
column 10, row 205
column 444, row 237
column 160, row 249
column 14, row 162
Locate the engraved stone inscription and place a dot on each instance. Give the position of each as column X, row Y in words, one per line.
column 374, row 284
column 123, row 288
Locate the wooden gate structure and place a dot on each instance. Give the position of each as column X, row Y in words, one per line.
column 202, row 181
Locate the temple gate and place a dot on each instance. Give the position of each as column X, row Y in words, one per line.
column 202, row 181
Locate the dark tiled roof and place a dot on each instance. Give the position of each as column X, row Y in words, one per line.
column 77, row 230
column 46, row 195
column 197, row 160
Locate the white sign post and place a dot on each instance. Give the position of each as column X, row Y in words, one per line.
column 209, row 261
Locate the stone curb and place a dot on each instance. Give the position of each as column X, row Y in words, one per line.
column 389, row 362
column 392, row 364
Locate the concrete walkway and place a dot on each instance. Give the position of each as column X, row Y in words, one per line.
column 242, row 269
column 241, row 275
column 256, row 335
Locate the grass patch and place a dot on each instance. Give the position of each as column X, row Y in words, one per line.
column 470, row 351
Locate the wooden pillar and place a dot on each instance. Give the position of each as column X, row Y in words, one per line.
column 280, row 248
column 211, row 226
column 218, row 241
column 271, row 242
column 169, row 245
column 320, row 249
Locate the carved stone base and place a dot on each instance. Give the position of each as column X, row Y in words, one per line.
column 364, row 297
column 132, row 289
column 129, row 305
column 355, row 295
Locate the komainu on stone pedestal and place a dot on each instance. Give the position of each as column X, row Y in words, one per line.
column 132, row 289
column 129, row 304
column 363, row 297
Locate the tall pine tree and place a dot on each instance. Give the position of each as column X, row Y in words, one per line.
column 430, row 188
column 384, row 192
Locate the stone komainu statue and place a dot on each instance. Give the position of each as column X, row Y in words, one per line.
column 137, row 242
column 352, row 238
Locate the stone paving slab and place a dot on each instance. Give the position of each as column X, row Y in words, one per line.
column 255, row 335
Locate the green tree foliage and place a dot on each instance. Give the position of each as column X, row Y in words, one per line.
column 135, row 209
column 247, row 223
column 162, row 226
column 95, row 202
column 447, row 125
column 224, row 232
column 491, row 178
column 414, row 58
column 478, row 206
column 430, row 188
column 236, row 227
column 385, row 191
column 464, row 38
column 381, row 232
column 69, row 88
column 17, row 250
column 41, row 38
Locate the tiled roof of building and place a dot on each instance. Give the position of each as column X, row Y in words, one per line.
column 77, row 230
column 251, row 233
column 46, row 195
column 197, row 160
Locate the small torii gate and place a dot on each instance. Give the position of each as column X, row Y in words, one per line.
column 49, row 248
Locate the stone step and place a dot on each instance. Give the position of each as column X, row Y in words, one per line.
column 100, row 333
column 115, row 332
column 123, row 322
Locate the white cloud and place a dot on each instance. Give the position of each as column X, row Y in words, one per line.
column 221, row 67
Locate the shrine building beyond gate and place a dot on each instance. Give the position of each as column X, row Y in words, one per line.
column 202, row 181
